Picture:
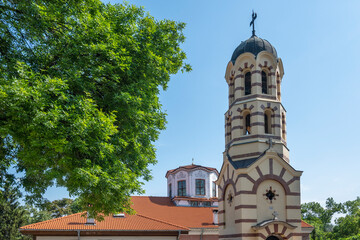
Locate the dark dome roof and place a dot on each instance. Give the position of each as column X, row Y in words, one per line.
column 253, row 45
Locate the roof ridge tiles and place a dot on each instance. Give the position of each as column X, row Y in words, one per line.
column 158, row 220
column 50, row 220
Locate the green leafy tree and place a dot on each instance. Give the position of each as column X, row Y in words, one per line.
column 61, row 207
column 79, row 103
column 36, row 215
column 12, row 214
column 320, row 218
column 348, row 226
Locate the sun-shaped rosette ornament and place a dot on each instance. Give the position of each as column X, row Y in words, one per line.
column 271, row 194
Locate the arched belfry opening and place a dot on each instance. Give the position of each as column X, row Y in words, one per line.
column 247, row 123
column 248, row 83
column 268, row 122
column 264, row 83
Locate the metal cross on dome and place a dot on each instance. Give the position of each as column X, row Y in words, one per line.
column 254, row 16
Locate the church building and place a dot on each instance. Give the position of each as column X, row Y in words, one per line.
column 259, row 191
column 256, row 195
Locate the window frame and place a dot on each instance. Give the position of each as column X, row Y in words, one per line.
column 181, row 189
column 200, row 188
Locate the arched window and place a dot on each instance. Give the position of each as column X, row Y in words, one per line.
column 278, row 92
column 267, row 122
column 247, row 124
column 228, row 129
column 283, row 128
column 231, row 90
column 264, row 83
column 247, row 83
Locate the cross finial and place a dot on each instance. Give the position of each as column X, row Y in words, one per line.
column 254, row 15
column 275, row 214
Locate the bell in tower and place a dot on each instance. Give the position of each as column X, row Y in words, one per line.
column 259, row 191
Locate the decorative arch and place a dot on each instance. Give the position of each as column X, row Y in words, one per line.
column 245, row 60
column 273, row 228
column 271, row 177
column 229, row 204
column 227, row 184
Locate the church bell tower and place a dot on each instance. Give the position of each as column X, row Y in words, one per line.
column 259, row 191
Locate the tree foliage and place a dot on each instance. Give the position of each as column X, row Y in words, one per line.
column 60, row 208
column 345, row 227
column 79, row 103
column 12, row 214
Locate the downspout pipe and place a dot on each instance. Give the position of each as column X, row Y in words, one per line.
column 78, row 233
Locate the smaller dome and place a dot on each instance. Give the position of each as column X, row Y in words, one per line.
column 253, row 45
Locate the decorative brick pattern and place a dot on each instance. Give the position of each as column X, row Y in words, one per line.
column 257, row 113
column 262, row 177
column 245, row 137
column 237, row 127
column 238, row 76
column 236, row 117
column 245, row 206
column 253, row 96
column 242, row 220
column 256, row 84
column 253, row 124
column 253, row 154
column 239, row 88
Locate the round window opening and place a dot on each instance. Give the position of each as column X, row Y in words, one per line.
column 272, row 238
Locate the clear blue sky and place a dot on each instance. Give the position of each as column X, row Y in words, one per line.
column 318, row 42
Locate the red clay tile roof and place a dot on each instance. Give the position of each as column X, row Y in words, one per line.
column 190, row 167
column 128, row 223
column 305, row 224
column 163, row 208
column 153, row 214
